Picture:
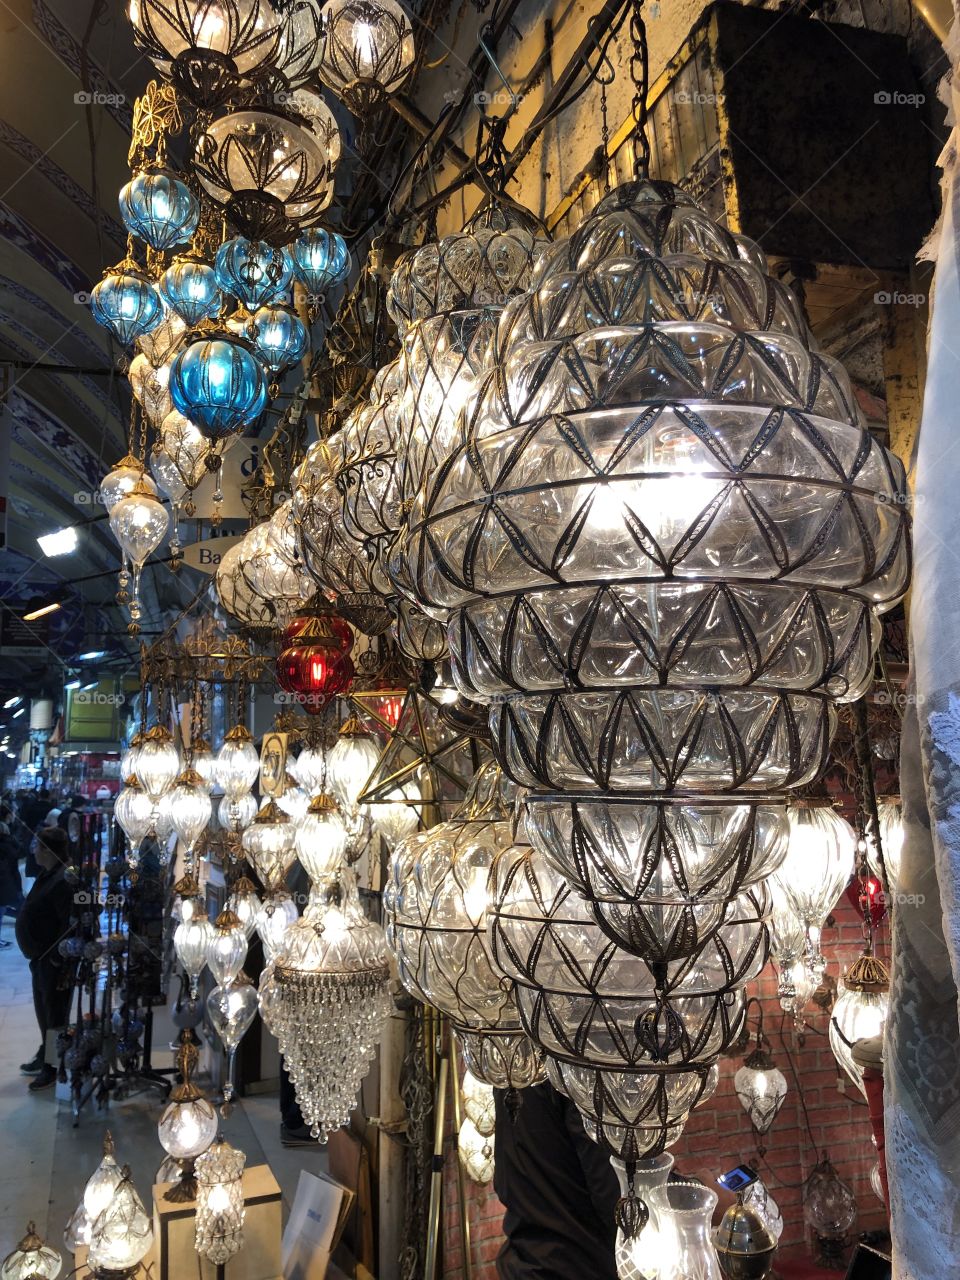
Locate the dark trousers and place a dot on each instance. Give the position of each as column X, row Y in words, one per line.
column 290, row 1115
column 51, row 1003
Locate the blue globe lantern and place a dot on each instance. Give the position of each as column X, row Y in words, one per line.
column 320, row 259
column 280, row 337
column 127, row 303
column 218, row 384
column 189, row 287
column 159, row 209
column 254, row 272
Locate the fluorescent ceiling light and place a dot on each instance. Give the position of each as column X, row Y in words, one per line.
column 72, row 684
column 92, row 685
column 19, row 713
column 59, row 543
column 91, row 655
column 42, row 610
column 12, row 702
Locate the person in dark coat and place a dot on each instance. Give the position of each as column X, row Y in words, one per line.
column 42, row 921
column 558, row 1190
column 11, row 886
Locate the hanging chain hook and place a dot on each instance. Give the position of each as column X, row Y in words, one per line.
column 639, row 74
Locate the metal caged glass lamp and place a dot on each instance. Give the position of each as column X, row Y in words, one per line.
column 367, row 51
column 435, row 904
column 664, row 543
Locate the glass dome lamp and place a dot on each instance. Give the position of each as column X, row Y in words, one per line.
column 76, row 1233
column 321, row 839
column 160, row 209
column 121, row 1237
column 139, row 523
column 189, row 287
column 31, row 1259
column 397, row 816
column 103, row 1182
column 238, row 765
column 684, row 1211
column 325, row 997
column 368, row 51
column 190, row 809
column 830, row 1208
column 234, row 813
column 351, row 761
column 320, row 260
column 300, row 43
column 121, row 480
column 818, row 866
column 269, row 174
column 207, row 47
column 475, row 1152
column 478, row 1104
column 280, row 337
column 220, row 1203
column 231, row 1008
column 126, row 303
column 257, row 274
column 227, row 949
column 150, row 386
column 859, row 1012
column 133, row 810
column 277, row 913
column 191, row 941
column 239, row 595
column 268, row 844
column 158, row 762
column 244, row 902
column 218, row 384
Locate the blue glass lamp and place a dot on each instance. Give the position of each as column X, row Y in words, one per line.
column 280, row 337
column 254, row 272
column 218, row 384
column 189, row 287
column 159, row 209
column 320, row 259
column 127, row 303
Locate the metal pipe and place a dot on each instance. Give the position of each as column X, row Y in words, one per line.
column 436, row 1170
column 461, row 1176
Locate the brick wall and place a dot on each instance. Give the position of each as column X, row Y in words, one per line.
column 718, row 1135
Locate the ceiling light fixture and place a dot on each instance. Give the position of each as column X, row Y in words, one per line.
column 59, row 543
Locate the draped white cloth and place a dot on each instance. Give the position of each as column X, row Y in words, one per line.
column 922, row 1045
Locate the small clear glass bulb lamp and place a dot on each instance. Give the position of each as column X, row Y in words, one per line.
column 97, row 1194
column 475, row 1150
column 860, row 1011
column 367, row 53
column 321, row 839
column 231, row 1009
column 684, row 1210
column 220, row 1204
column 244, row 902
column 188, row 1124
column 352, row 760
column 158, row 762
column 193, row 935
column 139, row 523
column 639, row 1255
column 121, row 1236
column 190, row 811
column 760, row 1085
column 228, row 948
column 237, row 763
column 268, row 843
column 31, row 1259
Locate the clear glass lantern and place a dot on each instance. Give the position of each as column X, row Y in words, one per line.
column 187, row 1127
column 31, row 1259
column 187, row 448
column 277, row 913
column 639, row 1255
column 234, row 813
column 228, row 947
column 270, row 174
column 122, row 1235
column 761, row 1088
column 121, row 480
column 890, row 812
column 231, row 1009
column 321, row 839
column 190, row 808
column 859, row 1012
column 310, row 769
column 150, row 385
column 220, row 1203
column 478, row 1103
column 818, row 866
column 367, row 51
column 350, row 763
column 133, row 810
column 244, row 902
column 139, row 523
column 158, row 762
column 268, row 843
column 191, row 941
column 238, row 765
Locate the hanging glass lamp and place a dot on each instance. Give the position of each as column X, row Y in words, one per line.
column 189, row 287
column 159, row 209
column 218, row 384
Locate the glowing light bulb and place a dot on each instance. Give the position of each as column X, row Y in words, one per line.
column 475, row 896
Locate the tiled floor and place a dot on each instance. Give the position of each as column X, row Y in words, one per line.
column 46, row 1160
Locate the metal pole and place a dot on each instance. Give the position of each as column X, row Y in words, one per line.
column 461, row 1176
column 436, row 1175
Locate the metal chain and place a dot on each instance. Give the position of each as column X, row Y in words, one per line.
column 639, row 74
column 604, row 138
